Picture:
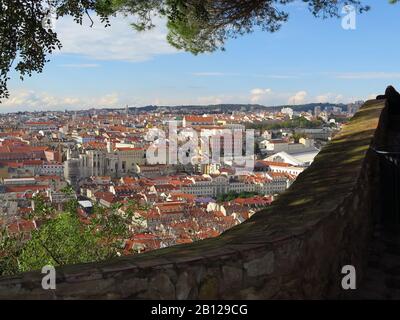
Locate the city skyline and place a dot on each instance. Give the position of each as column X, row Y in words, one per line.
column 266, row 170
column 116, row 66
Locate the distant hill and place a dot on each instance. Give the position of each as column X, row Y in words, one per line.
column 191, row 109
column 229, row 108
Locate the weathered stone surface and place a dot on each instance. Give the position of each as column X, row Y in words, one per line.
column 232, row 276
column 160, row 287
column 209, row 288
column 262, row 266
column 249, row 294
column 288, row 255
column 184, row 286
column 132, row 287
column 270, row 288
column 85, row 289
column 84, row 276
column 118, row 267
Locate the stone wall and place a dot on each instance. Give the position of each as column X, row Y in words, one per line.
column 294, row 249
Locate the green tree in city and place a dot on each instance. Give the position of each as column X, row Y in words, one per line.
column 297, row 122
column 42, row 209
column 65, row 238
column 297, row 136
column 10, row 250
column 62, row 240
column 232, row 195
column 71, row 205
column 112, row 226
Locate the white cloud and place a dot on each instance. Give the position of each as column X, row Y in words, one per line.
column 31, row 100
column 329, row 97
column 276, row 76
column 298, row 98
column 117, row 42
column 367, row 75
column 258, row 91
column 245, row 75
column 107, row 100
column 214, row 74
column 258, row 94
column 322, row 98
column 80, row 65
column 22, row 100
column 371, row 96
column 211, row 100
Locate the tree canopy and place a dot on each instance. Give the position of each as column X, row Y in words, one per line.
column 201, row 26
column 297, row 122
column 25, row 39
column 65, row 238
column 195, row 26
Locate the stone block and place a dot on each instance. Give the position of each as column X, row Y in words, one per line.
column 261, row 266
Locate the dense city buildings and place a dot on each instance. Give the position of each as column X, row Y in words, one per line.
column 112, row 158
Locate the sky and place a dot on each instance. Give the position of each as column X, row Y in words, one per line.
column 308, row 60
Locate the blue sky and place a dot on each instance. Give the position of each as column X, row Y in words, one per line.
column 308, row 60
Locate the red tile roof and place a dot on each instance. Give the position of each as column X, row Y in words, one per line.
column 25, row 188
column 199, row 119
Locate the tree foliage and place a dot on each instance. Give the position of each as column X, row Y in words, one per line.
column 25, row 39
column 10, row 250
column 232, row 195
column 66, row 238
column 60, row 241
column 201, row 26
column 298, row 122
column 194, row 25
